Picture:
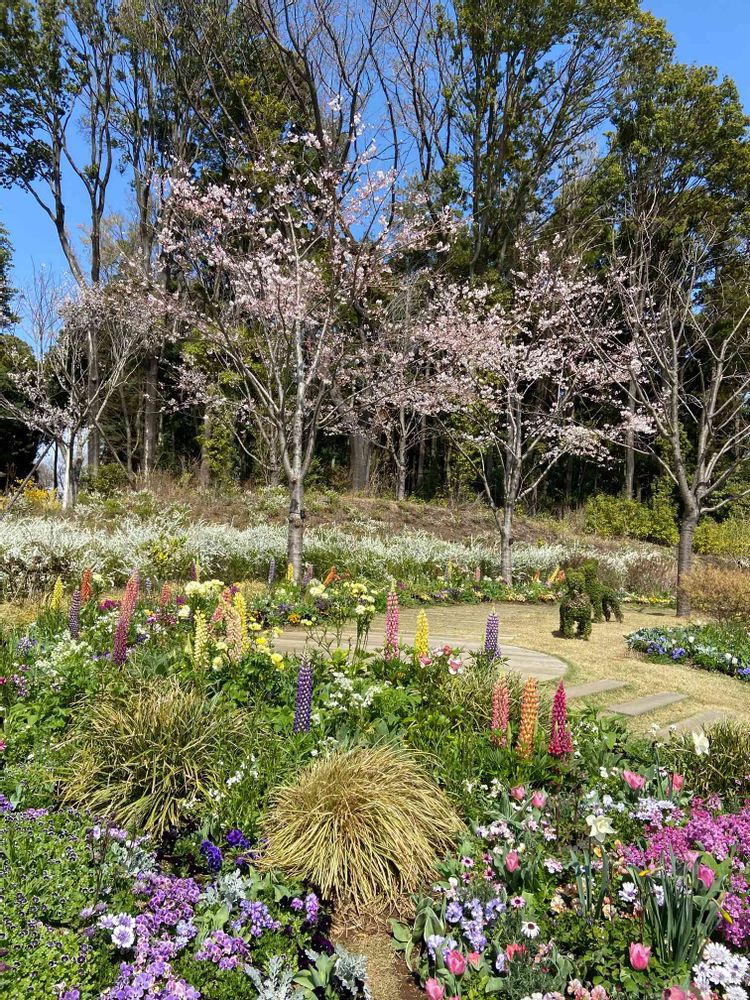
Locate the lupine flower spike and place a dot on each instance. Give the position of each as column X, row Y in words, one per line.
column 57, row 595
column 307, row 575
column 491, row 633
column 478, row 574
column 499, row 728
column 74, row 615
column 240, row 605
column 127, row 607
column 560, row 741
column 303, row 705
column 165, row 597
column 200, row 640
column 529, row 718
column 422, row 635
column 391, row 626
column 234, row 634
column 86, row 587
column 289, row 573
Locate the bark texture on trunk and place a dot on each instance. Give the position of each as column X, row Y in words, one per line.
column 688, row 524
column 150, row 415
column 506, row 543
column 296, row 528
column 359, row 462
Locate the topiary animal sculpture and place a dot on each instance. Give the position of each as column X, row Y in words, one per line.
column 576, row 609
column 604, row 599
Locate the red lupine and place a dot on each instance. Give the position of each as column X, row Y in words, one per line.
column 560, row 741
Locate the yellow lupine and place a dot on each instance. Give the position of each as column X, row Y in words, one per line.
column 422, row 635
column 57, row 595
column 289, row 573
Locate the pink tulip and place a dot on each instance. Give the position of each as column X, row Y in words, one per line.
column 706, row 875
column 455, row 963
column 512, row 862
column 639, row 956
column 434, row 990
column 677, row 781
column 518, row 793
column 539, row 800
column 474, row 959
column 675, row 993
column 636, row 781
column 514, row 949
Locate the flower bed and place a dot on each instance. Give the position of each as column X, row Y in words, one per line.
column 710, row 647
column 184, row 809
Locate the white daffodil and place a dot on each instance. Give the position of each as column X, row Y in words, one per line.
column 701, row 744
column 599, row 827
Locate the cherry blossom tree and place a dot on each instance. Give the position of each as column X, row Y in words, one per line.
column 52, row 392
column 511, row 377
column 280, row 270
column 687, row 368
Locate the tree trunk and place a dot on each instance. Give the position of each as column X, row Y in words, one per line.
column 630, row 448
column 401, row 468
column 70, row 477
column 506, row 542
column 204, row 473
column 296, row 529
column 150, row 415
column 419, row 479
column 273, row 468
column 688, row 523
column 359, row 461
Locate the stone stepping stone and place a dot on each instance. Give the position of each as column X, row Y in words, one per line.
column 650, row 703
column 594, row 687
column 694, row 724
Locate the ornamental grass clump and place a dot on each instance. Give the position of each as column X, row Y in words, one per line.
column 152, row 757
column 365, row 825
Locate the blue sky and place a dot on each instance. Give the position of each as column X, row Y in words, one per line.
column 716, row 32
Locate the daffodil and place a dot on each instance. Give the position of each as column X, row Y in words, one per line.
column 599, row 827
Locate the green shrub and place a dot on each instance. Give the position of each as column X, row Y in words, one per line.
column 107, row 481
column 365, row 825
column 149, row 758
column 725, row 538
column 620, row 517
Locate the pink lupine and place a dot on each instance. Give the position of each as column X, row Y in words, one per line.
column 391, row 626
column 500, row 713
column 560, row 742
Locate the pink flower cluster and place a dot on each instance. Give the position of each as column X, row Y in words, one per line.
column 720, row 834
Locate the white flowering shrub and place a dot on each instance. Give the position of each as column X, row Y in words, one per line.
column 35, row 550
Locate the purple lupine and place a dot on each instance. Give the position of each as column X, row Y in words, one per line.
column 303, row 705
column 272, row 572
column 307, row 575
column 492, row 628
column 74, row 615
column 391, row 626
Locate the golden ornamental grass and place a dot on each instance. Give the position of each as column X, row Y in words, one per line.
column 365, row 825
column 143, row 758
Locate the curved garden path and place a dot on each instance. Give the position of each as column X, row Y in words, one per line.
column 603, row 670
column 458, row 625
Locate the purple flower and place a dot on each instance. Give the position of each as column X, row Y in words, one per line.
column 74, row 615
column 303, row 706
column 236, row 838
column 312, row 908
column 491, row 633
column 212, row 854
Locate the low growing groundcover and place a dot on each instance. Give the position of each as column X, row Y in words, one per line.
column 188, row 814
column 724, row 648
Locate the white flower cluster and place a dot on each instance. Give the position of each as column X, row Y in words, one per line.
column 722, row 973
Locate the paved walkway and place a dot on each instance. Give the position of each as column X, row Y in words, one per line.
column 462, row 625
